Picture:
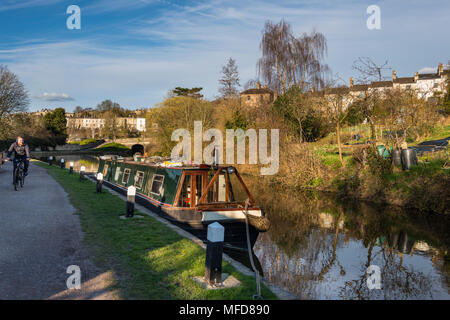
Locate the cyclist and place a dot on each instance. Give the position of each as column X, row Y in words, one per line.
column 21, row 153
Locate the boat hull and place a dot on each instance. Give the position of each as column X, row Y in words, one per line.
column 192, row 221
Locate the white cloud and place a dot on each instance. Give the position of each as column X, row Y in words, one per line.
column 61, row 97
column 187, row 45
column 428, row 70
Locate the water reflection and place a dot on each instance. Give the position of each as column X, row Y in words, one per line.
column 319, row 248
column 89, row 162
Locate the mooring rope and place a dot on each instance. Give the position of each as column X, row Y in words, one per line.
column 256, row 296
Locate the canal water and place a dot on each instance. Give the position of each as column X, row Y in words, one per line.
column 320, row 247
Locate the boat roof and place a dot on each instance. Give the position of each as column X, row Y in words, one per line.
column 148, row 162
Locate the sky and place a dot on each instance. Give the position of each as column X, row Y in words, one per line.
column 133, row 52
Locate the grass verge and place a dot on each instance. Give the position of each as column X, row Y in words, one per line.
column 149, row 260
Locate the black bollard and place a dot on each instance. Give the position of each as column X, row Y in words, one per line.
column 99, row 182
column 82, row 170
column 214, row 251
column 62, row 164
column 131, row 198
column 71, row 168
column 50, row 160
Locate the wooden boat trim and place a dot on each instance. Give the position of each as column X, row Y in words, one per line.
column 209, row 186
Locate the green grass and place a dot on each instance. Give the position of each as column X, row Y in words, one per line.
column 149, row 260
column 83, row 142
column 113, row 146
column 439, row 132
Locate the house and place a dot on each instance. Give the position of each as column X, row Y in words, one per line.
column 257, row 96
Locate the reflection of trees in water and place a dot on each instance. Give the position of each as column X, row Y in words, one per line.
column 397, row 281
column 300, row 250
column 300, row 271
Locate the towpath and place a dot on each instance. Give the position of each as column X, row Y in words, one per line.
column 40, row 237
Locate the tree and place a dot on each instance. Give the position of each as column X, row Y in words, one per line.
column 175, row 113
column 13, row 96
column 288, row 60
column 336, row 102
column 230, row 79
column 188, row 92
column 368, row 70
column 296, row 107
column 56, row 122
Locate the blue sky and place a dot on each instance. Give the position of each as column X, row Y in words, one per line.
column 135, row 51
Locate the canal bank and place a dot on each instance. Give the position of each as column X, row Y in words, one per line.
column 148, row 258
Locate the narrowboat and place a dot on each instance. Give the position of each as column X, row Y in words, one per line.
column 190, row 196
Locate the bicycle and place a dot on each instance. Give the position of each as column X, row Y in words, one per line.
column 18, row 174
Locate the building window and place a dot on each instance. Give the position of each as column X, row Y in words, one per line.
column 248, row 98
column 408, row 87
column 139, row 179
column 126, row 176
column 157, row 184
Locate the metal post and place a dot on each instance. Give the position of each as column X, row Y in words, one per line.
column 131, row 198
column 99, row 182
column 214, row 251
column 62, row 164
column 50, row 160
column 71, row 168
column 82, row 170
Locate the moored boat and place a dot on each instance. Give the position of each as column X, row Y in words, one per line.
column 190, row 196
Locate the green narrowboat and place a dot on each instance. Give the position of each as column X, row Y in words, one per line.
column 190, row 196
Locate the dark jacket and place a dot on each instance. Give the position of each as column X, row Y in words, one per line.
column 19, row 151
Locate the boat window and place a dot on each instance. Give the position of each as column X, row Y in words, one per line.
column 218, row 191
column 126, row 176
column 198, row 187
column 157, row 184
column 105, row 171
column 139, row 179
column 117, row 174
column 185, row 196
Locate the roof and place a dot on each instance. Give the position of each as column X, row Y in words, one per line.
column 404, row 80
column 428, row 76
column 257, row 91
column 359, row 87
column 381, row 84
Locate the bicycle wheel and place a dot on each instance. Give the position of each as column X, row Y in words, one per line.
column 22, row 178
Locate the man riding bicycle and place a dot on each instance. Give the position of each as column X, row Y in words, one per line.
column 21, row 153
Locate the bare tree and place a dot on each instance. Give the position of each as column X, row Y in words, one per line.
column 335, row 103
column 369, row 70
column 230, row 79
column 13, row 96
column 288, row 60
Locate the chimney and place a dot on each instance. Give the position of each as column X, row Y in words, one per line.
column 416, row 76
column 313, row 89
column 258, row 85
column 351, row 82
column 440, row 68
column 394, row 75
column 265, row 86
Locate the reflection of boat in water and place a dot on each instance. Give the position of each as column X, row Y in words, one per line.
column 190, row 196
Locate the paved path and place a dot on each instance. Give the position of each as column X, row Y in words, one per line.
column 40, row 236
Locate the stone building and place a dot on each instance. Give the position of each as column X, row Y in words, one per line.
column 98, row 123
column 257, row 96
